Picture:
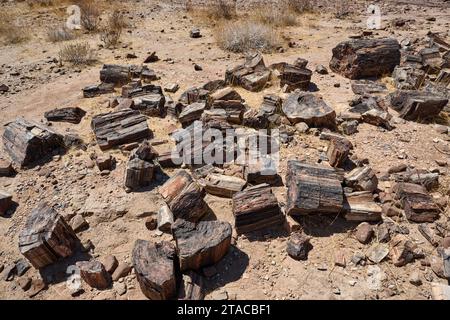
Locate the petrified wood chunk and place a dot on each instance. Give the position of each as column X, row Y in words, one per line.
column 223, row 186
column 225, row 94
column 135, row 89
column 139, row 173
column 27, row 141
column 360, row 206
column 201, row 244
column 402, row 250
column 295, row 77
column 97, row 89
column 120, row 127
column 417, row 203
column 234, row 109
column 116, row 74
column 364, row 58
column 191, row 287
column 338, row 151
column 298, row 246
column 252, row 75
column 308, row 108
column 378, row 118
column 46, row 237
column 362, row 87
column 408, row 78
column 191, row 113
column 165, row 219
column 168, row 160
column 151, row 105
column 428, row 234
column 417, row 105
column 429, row 180
column 5, row 202
column 184, row 196
column 72, row 115
column 362, row 179
column 94, row 273
column 312, row 189
column 444, row 77
column 156, row 267
column 256, row 208
column 264, row 170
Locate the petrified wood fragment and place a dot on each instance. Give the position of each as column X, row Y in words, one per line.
column 312, row 189
column 184, row 196
column 362, row 179
column 27, row 141
column 338, row 151
column 222, row 185
column 308, row 108
column 72, row 115
column 360, row 206
column 201, row 244
column 139, row 173
column 364, row 58
column 256, row 208
column 46, row 237
column 120, row 127
column 157, row 270
column 417, row 203
column 94, row 274
column 97, row 89
column 191, row 287
column 116, row 74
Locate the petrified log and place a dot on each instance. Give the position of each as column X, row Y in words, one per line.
column 225, row 94
column 223, row 186
column 72, row 115
column 360, row 206
column 46, row 237
column 184, row 196
column 135, row 89
column 338, row 151
column 362, row 179
column 252, row 75
column 97, row 89
column 192, row 95
column 139, row 173
column 262, row 171
column 191, row 287
column 116, row 74
column 417, row 203
column 417, row 105
column 378, row 118
column 120, row 127
column 256, row 208
column 312, row 189
column 424, row 178
column 5, row 202
column 27, row 141
column 93, row 272
column 362, row 87
column 191, row 113
column 151, row 105
column 166, row 160
column 201, row 244
column 234, row 109
column 156, row 267
column 308, row 108
column 408, row 78
column 364, row 58
column 295, row 78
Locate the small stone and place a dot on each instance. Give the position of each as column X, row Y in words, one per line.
column 120, row 288
column 378, row 252
column 350, row 127
column 79, row 223
column 165, row 219
column 321, row 69
column 298, row 246
column 197, row 67
column 110, row 263
column 9, row 272
column 172, row 87
column 122, row 270
column 151, row 223
column 414, row 278
column 22, row 266
column 339, row 259
column 364, row 232
column 301, row 127
column 195, row 33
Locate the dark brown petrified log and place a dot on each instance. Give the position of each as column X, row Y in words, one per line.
column 46, row 237
column 156, row 267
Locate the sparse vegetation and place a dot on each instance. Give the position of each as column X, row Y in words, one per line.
column 220, row 9
column 247, row 36
column 90, row 14
column 79, row 53
column 60, row 34
column 10, row 31
column 112, row 30
column 302, row 6
column 278, row 16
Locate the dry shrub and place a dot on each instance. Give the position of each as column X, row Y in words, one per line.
column 60, row 34
column 77, row 53
column 221, row 9
column 90, row 14
column 112, row 30
column 40, row 3
column 247, row 36
column 302, row 6
column 279, row 16
column 10, row 31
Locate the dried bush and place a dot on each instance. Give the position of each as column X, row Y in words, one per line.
column 278, row 16
column 302, row 6
column 112, row 30
column 247, row 36
column 90, row 14
column 60, row 34
column 220, row 9
column 10, row 31
column 77, row 53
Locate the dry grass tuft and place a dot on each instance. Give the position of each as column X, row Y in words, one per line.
column 77, row 54
column 112, row 30
column 60, row 34
column 10, row 31
column 278, row 16
column 247, row 36
column 302, row 6
column 90, row 14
